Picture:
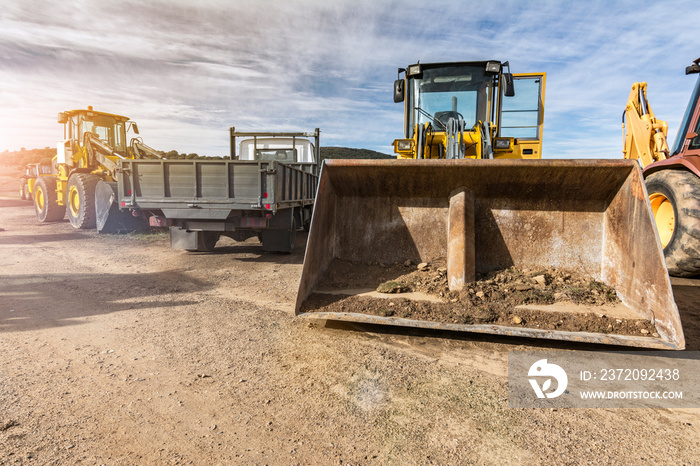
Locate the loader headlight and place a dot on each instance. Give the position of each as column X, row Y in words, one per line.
column 503, row 143
column 403, row 145
column 414, row 70
column 493, row 67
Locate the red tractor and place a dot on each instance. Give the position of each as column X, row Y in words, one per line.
column 672, row 175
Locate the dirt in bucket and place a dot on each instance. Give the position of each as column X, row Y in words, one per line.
column 547, row 299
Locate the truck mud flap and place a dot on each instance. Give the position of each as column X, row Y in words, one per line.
column 588, row 217
column 280, row 235
column 109, row 218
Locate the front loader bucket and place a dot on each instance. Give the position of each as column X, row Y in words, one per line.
column 586, row 217
column 108, row 217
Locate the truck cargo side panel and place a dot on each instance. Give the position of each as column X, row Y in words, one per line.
column 245, row 181
column 212, row 180
column 179, row 179
column 204, row 189
column 147, row 178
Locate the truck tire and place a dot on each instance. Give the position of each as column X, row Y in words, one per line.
column 675, row 200
column 80, row 200
column 46, row 201
column 207, row 240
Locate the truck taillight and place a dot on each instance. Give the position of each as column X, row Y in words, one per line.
column 265, row 195
column 267, row 206
column 129, row 192
column 123, row 204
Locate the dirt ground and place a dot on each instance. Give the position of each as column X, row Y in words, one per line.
column 119, row 350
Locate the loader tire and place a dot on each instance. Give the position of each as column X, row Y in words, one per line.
column 80, row 200
column 46, row 201
column 675, row 200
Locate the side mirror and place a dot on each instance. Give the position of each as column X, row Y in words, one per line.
column 134, row 127
column 399, row 89
column 62, row 118
column 508, row 86
column 691, row 135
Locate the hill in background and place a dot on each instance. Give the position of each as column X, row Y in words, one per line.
column 348, row 153
column 22, row 157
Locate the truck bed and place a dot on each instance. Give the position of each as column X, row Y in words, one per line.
column 211, row 189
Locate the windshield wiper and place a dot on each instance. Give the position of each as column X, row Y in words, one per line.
column 426, row 114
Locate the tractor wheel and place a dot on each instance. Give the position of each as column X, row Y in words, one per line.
column 80, row 200
column 27, row 193
column 46, row 201
column 675, row 200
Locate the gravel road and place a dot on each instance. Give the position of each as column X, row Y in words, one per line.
column 119, row 350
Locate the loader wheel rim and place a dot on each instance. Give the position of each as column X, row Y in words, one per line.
column 39, row 196
column 664, row 216
column 74, row 201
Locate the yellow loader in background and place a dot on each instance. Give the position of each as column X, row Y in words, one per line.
column 458, row 196
column 26, row 182
column 82, row 184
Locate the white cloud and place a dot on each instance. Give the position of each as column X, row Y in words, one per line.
column 188, row 71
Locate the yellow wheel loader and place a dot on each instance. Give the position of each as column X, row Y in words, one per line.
column 27, row 181
column 82, row 185
column 467, row 202
column 672, row 176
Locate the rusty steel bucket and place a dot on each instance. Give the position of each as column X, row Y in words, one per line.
column 588, row 216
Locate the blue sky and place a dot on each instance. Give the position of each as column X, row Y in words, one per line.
column 186, row 71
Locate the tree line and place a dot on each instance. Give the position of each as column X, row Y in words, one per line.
column 24, row 156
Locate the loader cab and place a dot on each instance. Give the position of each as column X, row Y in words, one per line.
column 469, row 110
column 109, row 129
column 436, row 93
column 688, row 137
column 34, row 170
column 30, row 170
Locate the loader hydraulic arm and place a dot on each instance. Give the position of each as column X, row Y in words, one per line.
column 100, row 152
column 141, row 150
column 644, row 135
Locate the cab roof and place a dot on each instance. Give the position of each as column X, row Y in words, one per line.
column 90, row 111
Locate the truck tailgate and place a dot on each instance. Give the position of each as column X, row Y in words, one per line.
column 215, row 186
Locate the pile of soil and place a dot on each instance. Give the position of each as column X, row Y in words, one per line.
column 492, row 299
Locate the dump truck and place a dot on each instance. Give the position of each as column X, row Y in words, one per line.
column 28, row 179
column 672, row 175
column 266, row 189
column 87, row 156
column 469, row 199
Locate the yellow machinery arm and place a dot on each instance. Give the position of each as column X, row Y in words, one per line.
column 644, row 135
column 672, row 177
